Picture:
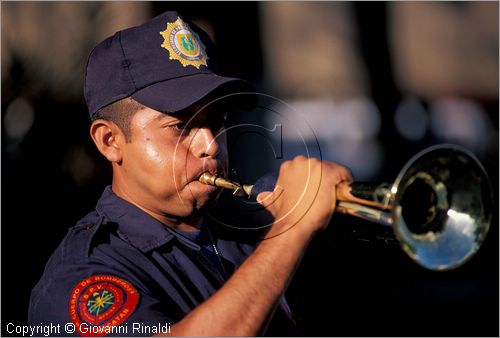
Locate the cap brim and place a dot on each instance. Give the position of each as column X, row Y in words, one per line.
column 177, row 94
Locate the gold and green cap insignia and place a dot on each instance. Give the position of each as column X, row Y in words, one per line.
column 183, row 44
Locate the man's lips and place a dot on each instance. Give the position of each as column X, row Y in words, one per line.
column 207, row 185
column 212, row 170
column 197, row 186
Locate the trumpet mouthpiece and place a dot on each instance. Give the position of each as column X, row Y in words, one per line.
column 207, row 178
column 238, row 189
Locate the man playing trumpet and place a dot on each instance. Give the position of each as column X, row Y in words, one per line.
column 145, row 254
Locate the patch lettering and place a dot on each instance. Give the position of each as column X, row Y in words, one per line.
column 101, row 301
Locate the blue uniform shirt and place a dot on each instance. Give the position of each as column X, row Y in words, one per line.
column 119, row 267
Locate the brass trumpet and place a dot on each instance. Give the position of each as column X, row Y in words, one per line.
column 439, row 205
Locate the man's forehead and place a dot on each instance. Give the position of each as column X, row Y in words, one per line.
column 194, row 114
column 212, row 109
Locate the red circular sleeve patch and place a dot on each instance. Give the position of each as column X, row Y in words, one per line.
column 101, row 301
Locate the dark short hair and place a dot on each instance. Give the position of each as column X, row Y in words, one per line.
column 120, row 113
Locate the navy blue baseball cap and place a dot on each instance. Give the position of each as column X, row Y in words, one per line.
column 165, row 64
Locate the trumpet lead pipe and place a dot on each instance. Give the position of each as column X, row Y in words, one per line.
column 240, row 190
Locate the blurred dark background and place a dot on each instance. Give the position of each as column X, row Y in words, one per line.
column 376, row 82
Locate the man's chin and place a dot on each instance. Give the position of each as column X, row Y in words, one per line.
column 199, row 210
column 201, row 207
column 202, row 200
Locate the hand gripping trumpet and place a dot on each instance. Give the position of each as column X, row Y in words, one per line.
column 439, row 205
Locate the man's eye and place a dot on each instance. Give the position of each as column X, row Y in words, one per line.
column 181, row 126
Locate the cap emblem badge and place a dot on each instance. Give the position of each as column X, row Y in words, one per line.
column 183, row 44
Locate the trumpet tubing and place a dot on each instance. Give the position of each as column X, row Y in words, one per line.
column 439, row 206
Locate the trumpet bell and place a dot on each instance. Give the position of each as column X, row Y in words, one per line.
column 441, row 207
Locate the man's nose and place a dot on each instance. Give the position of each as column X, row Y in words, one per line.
column 204, row 143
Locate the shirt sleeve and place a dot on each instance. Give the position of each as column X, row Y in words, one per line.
column 91, row 299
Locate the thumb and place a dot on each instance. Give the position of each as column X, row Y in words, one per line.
column 264, row 198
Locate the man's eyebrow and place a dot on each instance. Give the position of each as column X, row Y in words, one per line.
column 163, row 116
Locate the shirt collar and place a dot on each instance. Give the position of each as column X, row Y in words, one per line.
column 140, row 229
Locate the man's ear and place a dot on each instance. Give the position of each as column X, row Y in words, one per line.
column 108, row 138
